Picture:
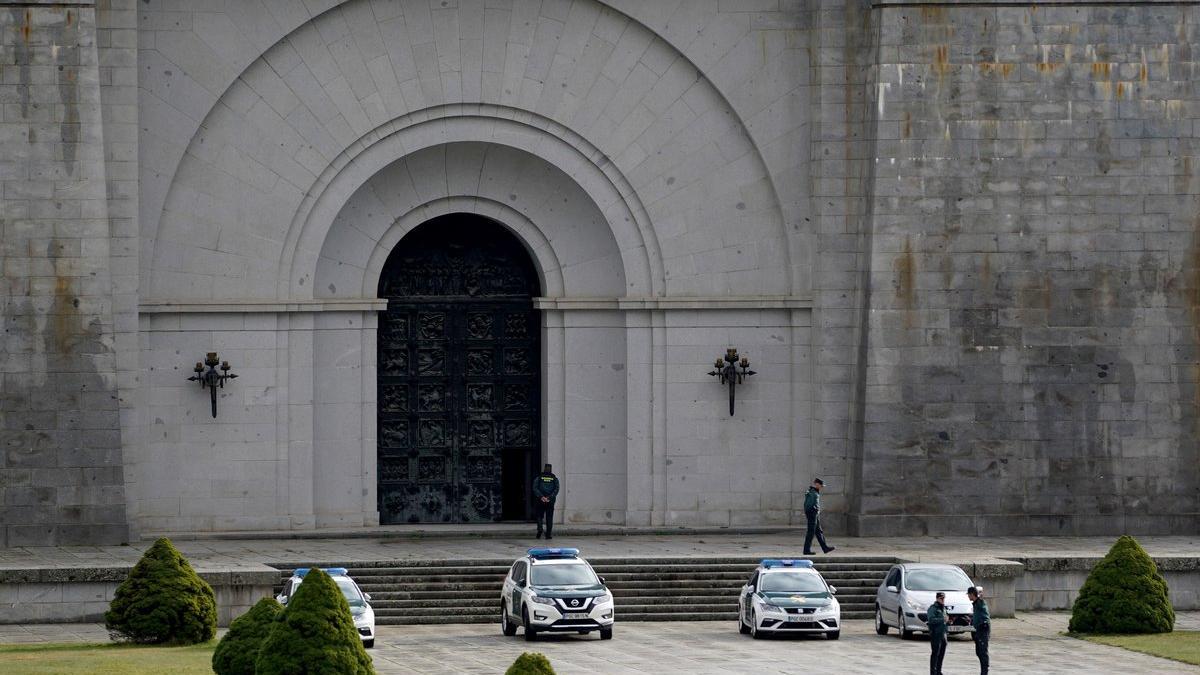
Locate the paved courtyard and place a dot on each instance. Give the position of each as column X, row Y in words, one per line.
column 1032, row 643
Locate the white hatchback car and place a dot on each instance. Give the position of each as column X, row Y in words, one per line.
column 788, row 596
column 360, row 603
column 553, row 590
column 908, row 590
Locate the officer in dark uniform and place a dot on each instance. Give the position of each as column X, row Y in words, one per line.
column 545, row 491
column 812, row 513
column 981, row 621
column 938, row 633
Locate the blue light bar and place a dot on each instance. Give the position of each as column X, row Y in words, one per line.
column 772, row 562
column 332, row 571
column 550, row 553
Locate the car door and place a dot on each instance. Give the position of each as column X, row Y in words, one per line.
column 520, row 575
column 889, row 601
column 745, row 601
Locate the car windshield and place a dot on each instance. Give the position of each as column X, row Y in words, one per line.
column 354, row 597
column 573, row 574
column 950, row 579
column 791, row 582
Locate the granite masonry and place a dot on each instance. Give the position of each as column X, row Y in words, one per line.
column 958, row 241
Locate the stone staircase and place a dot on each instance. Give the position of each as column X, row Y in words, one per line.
column 646, row 589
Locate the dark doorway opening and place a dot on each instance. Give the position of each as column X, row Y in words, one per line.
column 459, row 395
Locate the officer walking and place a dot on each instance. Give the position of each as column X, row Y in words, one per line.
column 938, row 638
column 545, row 491
column 812, row 513
column 981, row 621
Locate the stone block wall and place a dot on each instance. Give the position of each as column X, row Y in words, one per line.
column 1031, row 360
column 61, row 471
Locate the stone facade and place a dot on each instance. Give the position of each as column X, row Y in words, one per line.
column 955, row 239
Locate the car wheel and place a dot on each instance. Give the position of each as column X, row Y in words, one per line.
column 606, row 633
column 881, row 628
column 368, row 643
column 530, row 632
column 833, row 634
column 754, row 631
column 905, row 633
column 507, row 627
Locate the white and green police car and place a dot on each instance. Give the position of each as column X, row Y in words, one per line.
column 553, row 590
column 788, row 596
column 360, row 603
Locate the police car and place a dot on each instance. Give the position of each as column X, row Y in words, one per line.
column 553, row 590
column 360, row 603
column 788, row 596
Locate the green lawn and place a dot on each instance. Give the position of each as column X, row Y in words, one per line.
column 105, row 659
column 1181, row 645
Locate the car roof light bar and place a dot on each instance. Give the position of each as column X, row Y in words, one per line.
column 551, row 553
column 770, row 563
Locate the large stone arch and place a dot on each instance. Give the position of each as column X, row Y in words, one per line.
column 336, row 80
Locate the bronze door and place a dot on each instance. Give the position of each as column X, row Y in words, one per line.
column 459, row 399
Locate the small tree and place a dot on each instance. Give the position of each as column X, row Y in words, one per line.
column 237, row 651
column 530, row 663
column 163, row 600
column 1123, row 594
column 314, row 634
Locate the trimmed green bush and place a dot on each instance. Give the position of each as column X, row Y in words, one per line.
column 530, row 663
column 238, row 649
column 1123, row 594
column 163, row 601
column 314, row 634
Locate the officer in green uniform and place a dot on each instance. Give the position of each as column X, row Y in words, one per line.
column 981, row 621
column 545, row 491
column 938, row 638
column 812, row 513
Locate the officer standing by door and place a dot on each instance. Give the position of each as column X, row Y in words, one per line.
column 938, row 633
column 812, row 513
column 981, row 621
column 545, row 491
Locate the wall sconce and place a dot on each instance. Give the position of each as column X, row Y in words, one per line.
column 210, row 379
column 726, row 370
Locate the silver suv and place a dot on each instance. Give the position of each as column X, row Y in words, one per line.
column 553, row 590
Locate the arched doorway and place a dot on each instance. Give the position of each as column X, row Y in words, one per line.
column 459, row 383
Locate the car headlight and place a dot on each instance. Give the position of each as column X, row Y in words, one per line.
column 767, row 605
column 826, row 609
column 539, row 600
column 913, row 605
column 607, row 597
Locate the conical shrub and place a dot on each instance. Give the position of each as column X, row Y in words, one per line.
column 238, row 649
column 530, row 663
column 314, row 634
column 163, row 600
column 1123, row 594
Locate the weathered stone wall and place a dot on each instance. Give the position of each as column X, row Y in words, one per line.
column 61, row 474
column 1035, row 271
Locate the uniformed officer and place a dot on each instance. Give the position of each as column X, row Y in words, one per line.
column 938, row 638
column 545, row 491
column 812, row 513
column 981, row 621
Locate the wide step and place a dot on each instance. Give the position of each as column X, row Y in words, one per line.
column 410, row 592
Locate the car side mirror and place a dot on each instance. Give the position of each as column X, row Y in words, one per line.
column 602, row 581
column 367, row 596
column 833, row 590
column 521, row 584
column 893, row 589
column 750, row 588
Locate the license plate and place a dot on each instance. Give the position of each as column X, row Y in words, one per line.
column 797, row 619
column 575, row 615
column 959, row 629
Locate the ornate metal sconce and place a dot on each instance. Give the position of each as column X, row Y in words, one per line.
column 726, row 369
column 210, row 379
